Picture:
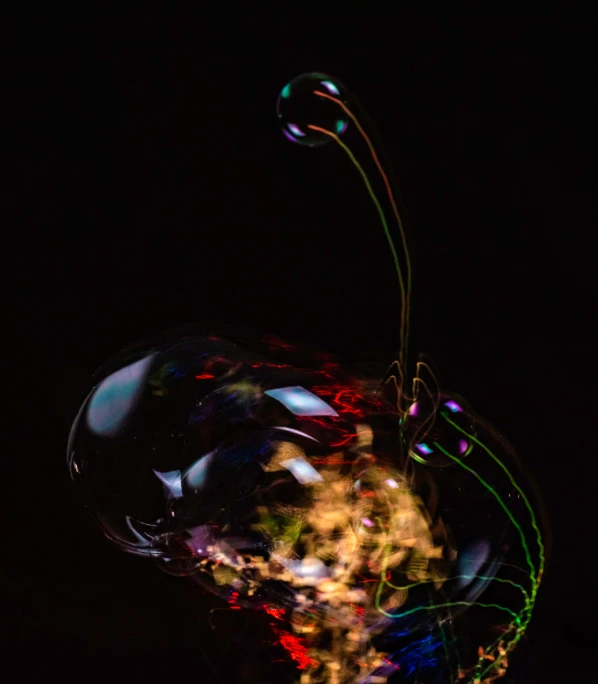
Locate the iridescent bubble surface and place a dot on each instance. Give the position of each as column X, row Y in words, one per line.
column 381, row 524
column 282, row 482
column 308, row 109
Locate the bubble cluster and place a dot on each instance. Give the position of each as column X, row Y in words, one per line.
column 381, row 525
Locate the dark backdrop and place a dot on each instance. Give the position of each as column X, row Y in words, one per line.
column 154, row 188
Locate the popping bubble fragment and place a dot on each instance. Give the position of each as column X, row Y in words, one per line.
column 309, row 111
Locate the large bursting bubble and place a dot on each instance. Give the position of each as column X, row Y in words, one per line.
column 283, row 483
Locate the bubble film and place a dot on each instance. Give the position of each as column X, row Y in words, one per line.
column 383, row 527
column 305, row 111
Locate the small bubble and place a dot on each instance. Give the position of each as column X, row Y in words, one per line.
column 312, row 100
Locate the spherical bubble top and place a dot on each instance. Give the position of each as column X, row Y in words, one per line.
column 309, row 105
column 438, row 429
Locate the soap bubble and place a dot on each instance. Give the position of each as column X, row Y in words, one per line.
column 179, row 434
column 306, row 102
column 429, row 435
column 381, row 531
column 284, row 483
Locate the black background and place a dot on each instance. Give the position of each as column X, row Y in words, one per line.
column 153, row 188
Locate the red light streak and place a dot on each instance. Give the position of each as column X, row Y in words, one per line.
column 275, row 612
column 275, row 343
column 296, row 649
column 367, row 494
column 388, row 662
column 328, row 460
column 344, row 441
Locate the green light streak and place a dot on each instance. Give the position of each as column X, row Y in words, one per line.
column 418, row 609
column 521, row 493
column 444, row 646
column 406, row 312
column 530, row 601
column 480, row 577
column 384, row 224
column 521, row 620
column 501, row 503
